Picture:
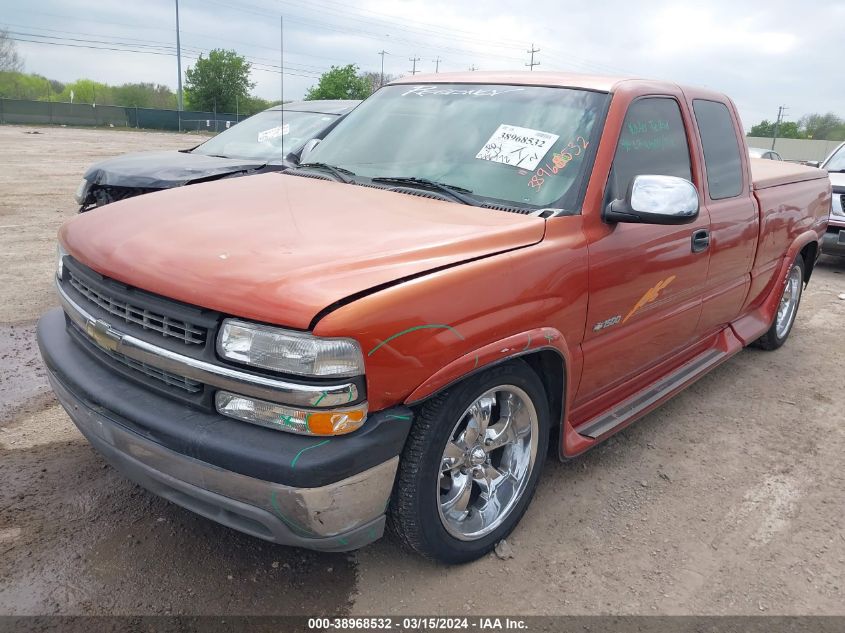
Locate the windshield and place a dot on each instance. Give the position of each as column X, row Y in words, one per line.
column 264, row 136
column 521, row 145
column 837, row 161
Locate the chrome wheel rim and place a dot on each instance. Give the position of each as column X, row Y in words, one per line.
column 788, row 302
column 487, row 462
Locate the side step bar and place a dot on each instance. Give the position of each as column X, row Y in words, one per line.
column 629, row 409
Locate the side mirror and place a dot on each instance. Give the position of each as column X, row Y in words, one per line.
column 813, row 163
column 656, row 200
column 307, row 149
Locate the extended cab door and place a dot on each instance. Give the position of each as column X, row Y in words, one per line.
column 645, row 280
column 734, row 217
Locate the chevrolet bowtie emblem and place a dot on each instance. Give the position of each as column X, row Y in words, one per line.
column 103, row 334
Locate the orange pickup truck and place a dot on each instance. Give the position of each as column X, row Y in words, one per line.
column 469, row 269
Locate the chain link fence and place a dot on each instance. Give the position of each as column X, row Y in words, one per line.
column 88, row 114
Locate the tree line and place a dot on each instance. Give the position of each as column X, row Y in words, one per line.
column 34, row 87
column 824, row 127
column 218, row 82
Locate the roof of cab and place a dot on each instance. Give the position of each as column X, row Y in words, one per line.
column 599, row 83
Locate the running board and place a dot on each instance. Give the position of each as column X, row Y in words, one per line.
column 631, row 408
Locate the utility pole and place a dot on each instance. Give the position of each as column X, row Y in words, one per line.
column 179, row 67
column 282, row 81
column 473, row 68
column 781, row 112
column 437, row 65
column 382, row 52
column 414, row 60
column 532, row 63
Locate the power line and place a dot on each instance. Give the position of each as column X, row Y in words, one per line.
column 258, row 66
column 570, row 60
column 346, row 30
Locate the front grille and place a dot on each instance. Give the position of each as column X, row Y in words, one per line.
column 171, row 380
column 166, row 326
column 107, row 195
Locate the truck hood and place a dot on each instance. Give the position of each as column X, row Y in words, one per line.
column 163, row 170
column 281, row 248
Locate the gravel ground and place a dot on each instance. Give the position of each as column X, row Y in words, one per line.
column 727, row 500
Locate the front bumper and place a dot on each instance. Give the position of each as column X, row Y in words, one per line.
column 294, row 490
column 833, row 242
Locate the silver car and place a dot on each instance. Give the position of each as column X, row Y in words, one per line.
column 834, row 240
column 756, row 152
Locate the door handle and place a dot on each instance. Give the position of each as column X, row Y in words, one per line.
column 700, row 240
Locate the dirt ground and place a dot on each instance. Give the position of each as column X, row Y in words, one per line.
column 730, row 499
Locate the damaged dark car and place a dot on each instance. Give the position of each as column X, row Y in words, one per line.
column 268, row 141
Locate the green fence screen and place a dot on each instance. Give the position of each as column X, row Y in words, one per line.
column 60, row 113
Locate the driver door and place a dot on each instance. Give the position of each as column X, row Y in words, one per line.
column 646, row 283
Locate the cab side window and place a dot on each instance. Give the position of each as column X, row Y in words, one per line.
column 721, row 149
column 653, row 142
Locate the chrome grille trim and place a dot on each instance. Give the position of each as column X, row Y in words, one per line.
column 186, row 384
column 281, row 391
column 161, row 323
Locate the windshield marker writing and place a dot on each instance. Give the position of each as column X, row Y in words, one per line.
column 473, row 92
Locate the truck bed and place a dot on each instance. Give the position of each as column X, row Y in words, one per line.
column 772, row 173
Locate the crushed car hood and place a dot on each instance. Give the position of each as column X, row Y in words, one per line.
column 281, row 248
column 163, row 170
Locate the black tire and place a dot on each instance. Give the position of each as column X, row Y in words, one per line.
column 414, row 515
column 771, row 340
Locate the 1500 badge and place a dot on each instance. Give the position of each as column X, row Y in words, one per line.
column 607, row 323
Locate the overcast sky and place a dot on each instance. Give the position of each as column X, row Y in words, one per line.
column 763, row 54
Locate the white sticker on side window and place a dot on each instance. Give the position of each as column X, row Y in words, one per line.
column 274, row 132
column 518, row 146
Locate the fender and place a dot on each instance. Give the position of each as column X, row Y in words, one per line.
column 514, row 346
column 757, row 322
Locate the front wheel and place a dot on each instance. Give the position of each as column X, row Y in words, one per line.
column 787, row 308
column 471, row 464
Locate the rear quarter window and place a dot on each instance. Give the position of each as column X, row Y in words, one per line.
column 721, row 148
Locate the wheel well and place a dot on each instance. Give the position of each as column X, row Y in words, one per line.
column 808, row 254
column 548, row 365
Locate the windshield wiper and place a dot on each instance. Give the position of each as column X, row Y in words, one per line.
column 338, row 172
column 458, row 193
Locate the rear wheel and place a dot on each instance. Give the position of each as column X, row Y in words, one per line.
column 471, row 464
column 787, row 308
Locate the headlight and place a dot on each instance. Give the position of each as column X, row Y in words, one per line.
column 60, row 257
column 284, row 418
column 289, row 352
column 81, row 192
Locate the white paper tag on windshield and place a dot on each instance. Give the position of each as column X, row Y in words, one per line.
column 518, row 146
column 274, row 132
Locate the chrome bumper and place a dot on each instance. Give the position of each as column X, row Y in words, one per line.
column 834, row 243
column 341, row 516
